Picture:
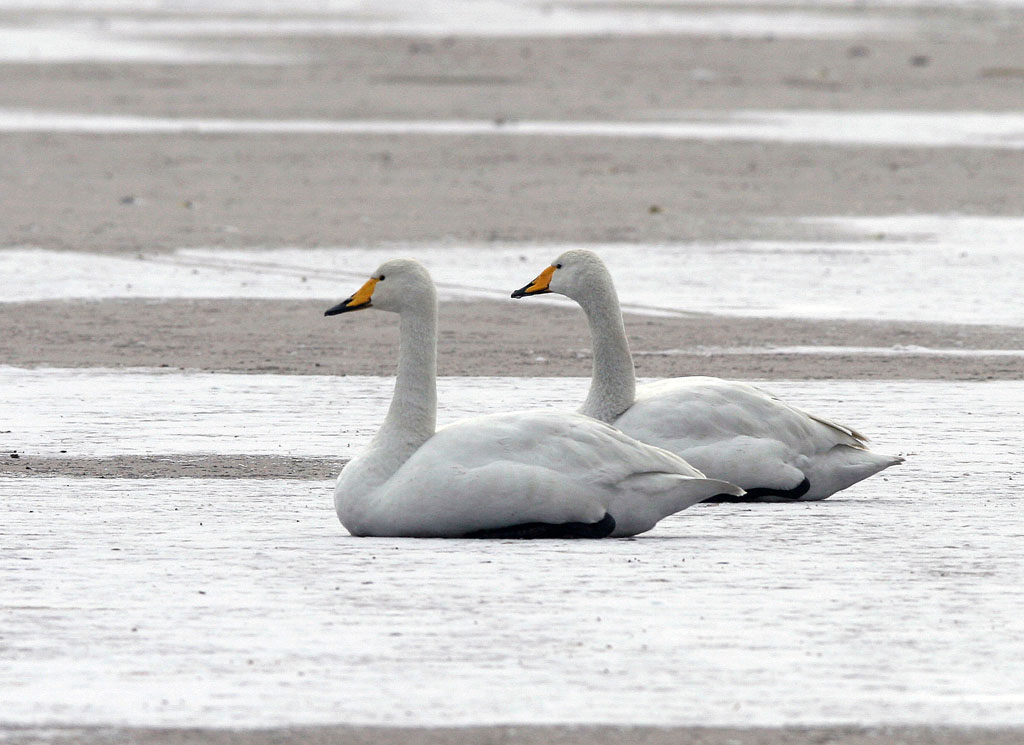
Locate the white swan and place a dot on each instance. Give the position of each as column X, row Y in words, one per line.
column 536, row 474
column 728, row 430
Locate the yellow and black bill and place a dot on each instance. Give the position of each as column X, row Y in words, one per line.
column 538, row 286
column 358, row 301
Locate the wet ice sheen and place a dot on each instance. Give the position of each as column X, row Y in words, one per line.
column 220, row 602
column 124, row 24
column 94, row 42
column 505, row 19
column 1003, row 129
column 965, row 270
column 231, row 602
column 184, row 32
column 898, row 350
column 102, row 413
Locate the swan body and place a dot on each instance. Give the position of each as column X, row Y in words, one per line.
column 728, row 430
column 745, row 432
column 512, row 469
column 492, row 473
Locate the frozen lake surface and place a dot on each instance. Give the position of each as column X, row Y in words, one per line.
column 103, row 413
column 878, row 128
column 227, row 602
column 396, row 8
column 181, row 32
column 223, row 31
column 897, row 350
column 964, row 270
column 243, row 603
column 91, row 42
column 503, row 18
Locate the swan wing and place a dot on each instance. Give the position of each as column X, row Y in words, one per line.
column 508, row 469
column 748, row 436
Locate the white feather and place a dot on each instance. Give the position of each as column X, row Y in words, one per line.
column 501, row 470
column 729, row 430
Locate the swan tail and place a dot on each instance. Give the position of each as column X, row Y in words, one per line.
column 842, row 467
column 725, row 490
column 647, row 498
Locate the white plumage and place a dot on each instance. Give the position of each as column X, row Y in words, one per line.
column 497, row 471
column 728, row 430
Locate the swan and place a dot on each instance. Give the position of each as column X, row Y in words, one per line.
column 522, row 475
column 728, row 430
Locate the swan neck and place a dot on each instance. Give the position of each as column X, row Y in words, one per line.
column 412, row 416
column 410, row 421
column 613, row 383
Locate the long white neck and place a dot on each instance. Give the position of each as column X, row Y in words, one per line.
column 412, row 416
column 613, row 384
column 410, row 422
column 411, row 419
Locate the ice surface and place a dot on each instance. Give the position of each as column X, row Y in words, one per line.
column 52, row 275
column 398, row 8
column 125, row 21
column 237, row 602
column 173, row 31
column 879, row 128
column 108, row 412
column 90, row 42
column 898, row 350
column 505, row 19
column 964, row 270
column 966, row 231
column 99, row 413
column 977, row 4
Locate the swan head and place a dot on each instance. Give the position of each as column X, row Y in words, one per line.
column 575, row 274
column 396, row 285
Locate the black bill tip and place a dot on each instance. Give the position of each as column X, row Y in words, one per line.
column 522, row 291
column 344, row 307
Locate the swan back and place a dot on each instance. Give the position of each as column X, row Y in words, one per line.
column 555, row 467
column 737, row 431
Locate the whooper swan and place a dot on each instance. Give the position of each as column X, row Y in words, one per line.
column 728, row 430
column 523, row 474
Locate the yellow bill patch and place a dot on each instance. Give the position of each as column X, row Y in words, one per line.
column 542, row 281
column 363, row 294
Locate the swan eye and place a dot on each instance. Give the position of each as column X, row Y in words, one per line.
column 382, row 278
column 558, row 266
